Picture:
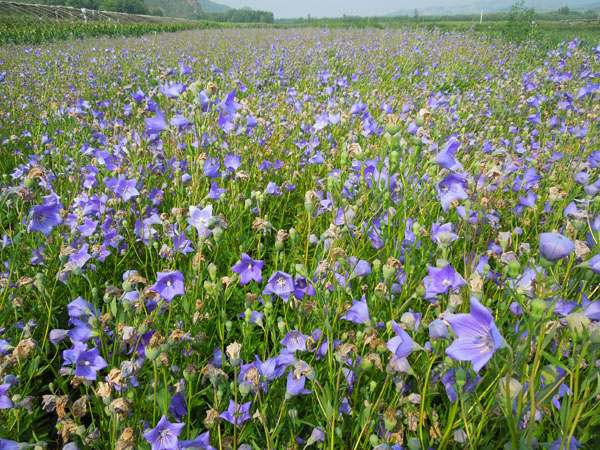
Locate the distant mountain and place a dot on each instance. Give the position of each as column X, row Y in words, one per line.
column 208, row 6
column 185, row 8
column 436, row 7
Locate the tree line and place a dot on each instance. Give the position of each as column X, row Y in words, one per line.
column 237, row 16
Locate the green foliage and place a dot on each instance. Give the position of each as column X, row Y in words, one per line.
column 518, row 12
column 124, row 6
column 34, row 32
column 237, row 16
column 88, row 4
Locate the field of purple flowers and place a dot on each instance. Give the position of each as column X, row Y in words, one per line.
column 296, row 239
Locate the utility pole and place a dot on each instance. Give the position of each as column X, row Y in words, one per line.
column 481, row 17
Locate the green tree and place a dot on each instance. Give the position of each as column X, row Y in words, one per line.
column 564, row 10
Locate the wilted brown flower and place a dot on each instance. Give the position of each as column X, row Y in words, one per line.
column 62, row 403
column 121, row 407
column 24, row 348
column 79, row 407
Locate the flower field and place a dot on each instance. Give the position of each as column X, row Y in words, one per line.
column 300, row 238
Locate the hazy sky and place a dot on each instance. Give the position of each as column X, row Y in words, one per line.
column 336, row 8
column 320, row 8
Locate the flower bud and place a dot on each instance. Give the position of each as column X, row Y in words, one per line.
column 461, row 378
column 416, row 228
column 217, row 233
column 152, row 353
column 282, row 326
column 538, row 309
column 388, row 271
column 212, row 271
column 376, row 265
column 392, row 128
column 514, row 268
column 373, row 440
column 595, row 335
column 309, row 206
column 413, row 444
column 245, row 388
column 578, row 323
column 293, row 235
column 438, row 329
column 408, row 319
column 389, row 420
column 513, row 386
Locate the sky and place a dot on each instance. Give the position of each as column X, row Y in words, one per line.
column 336, row 8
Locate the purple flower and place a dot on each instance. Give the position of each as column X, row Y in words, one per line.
column 359, row 312
column 236, row 414
column 362, row 268
column 478, row 337
column 164, row 436
column 452, row 187
column 88, row 227
column 295, row 387
column 558, row 444
column 180, row 122
column 442, row 280
column 45, row 217
column 248, row 269
column 56, row 336
column 5, row 401
column 593, row 264
column 216, row 192
column 442, row 234
column 200, row 219
column 401, row 345
column 79, row 308
column 173, row 90
column 294, row 341
column 582, row 178
column 211, row 168
column 169, row 284
column 156, row 124
column 448, row 382
column 232, row 162
column 202, row 442
column 281, row 284
column 317, row 435
column 138, row 96
column 445, row 158
column 178, row 406
column 438, row 329
column 229, row 105
column 180, row 242
column 81, row 256
column 302, row 288
column 555, row 246
column 126, row 188
column 5, row 444
column 272, row 189
column 87, row 362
